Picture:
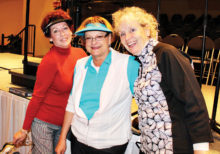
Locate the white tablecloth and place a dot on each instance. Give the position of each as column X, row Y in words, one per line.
column 13, row 109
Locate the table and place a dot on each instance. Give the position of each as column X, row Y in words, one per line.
column 12, row 114
column 13, row 109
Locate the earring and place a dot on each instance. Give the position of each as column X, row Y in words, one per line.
column 51, row 40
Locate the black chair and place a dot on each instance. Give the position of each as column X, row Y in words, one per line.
column 177, row 20
column 189, row 19
column 188, row 25
column 164, row 19
column 176, row 25
column 163, row 25
column 175, row 40
column 194, row 49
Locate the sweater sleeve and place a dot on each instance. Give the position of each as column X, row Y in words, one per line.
column 179, row 77
column 44, row 78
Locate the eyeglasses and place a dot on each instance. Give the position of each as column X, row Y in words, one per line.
column 97, row 38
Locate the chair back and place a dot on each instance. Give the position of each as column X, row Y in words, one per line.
column 217, row 43
column 175, row 40
column 196, row 43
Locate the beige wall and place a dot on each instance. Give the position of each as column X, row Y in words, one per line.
column 11, row 17
column 38, row 9
column 13, row 14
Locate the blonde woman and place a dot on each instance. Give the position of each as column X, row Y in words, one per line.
column 172, row 113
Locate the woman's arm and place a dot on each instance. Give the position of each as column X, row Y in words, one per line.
column 61, row 146
column 45, row 76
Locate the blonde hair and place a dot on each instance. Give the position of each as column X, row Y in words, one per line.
column 144, row 18
column 97, row 19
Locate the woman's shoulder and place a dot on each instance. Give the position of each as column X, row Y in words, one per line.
column 49, row 59
column 116, row 53
column 165, row 48
column 165, row 52
column 83, row 60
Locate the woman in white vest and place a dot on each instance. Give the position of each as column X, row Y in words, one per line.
column 98, row 108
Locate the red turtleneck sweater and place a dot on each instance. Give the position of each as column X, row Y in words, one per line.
column 53, row 85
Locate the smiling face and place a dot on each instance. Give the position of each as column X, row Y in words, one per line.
column 133, row 36
column 60, row 35
column 97, row 44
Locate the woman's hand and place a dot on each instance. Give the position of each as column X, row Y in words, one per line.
column 61, row 146
column 20, row 137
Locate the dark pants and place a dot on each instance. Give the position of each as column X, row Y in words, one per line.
column 80, row 148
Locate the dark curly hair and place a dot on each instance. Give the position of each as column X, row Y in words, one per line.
column 55, row 17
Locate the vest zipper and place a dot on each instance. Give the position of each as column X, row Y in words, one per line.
column 87, row 132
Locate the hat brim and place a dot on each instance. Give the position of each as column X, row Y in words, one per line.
column 55, row 22
column 90, row 28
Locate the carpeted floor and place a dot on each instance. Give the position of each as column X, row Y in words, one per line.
column 215, row 147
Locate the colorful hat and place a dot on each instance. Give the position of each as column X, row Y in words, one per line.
column 54, row 17
column 93, row 27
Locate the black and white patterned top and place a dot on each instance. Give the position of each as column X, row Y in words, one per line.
column 172, row 110
column 154, row 119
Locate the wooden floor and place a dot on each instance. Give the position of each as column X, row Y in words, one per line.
column 12, row 61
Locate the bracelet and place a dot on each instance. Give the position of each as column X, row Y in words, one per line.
column 24, row 131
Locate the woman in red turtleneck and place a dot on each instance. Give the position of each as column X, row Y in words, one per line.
column 46, row 109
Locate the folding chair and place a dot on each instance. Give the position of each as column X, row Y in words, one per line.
column 175, row 40
column 217, row 48
column 194, row 49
